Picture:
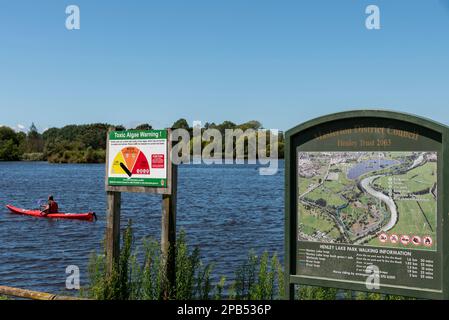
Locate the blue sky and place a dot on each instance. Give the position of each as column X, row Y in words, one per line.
column 280, row 62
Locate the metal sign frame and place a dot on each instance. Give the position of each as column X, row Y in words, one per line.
column 306, row 132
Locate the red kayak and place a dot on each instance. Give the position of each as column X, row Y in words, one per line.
column 90, row 216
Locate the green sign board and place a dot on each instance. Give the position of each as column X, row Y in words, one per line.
column 137, row 158
column 364, row 204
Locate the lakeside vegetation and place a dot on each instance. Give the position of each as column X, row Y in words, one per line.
column 139, row 275
column 87, row 143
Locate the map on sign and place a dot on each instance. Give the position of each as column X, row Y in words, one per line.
column 382, row 199
column 137, row 158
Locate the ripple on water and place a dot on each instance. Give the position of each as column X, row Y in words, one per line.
column 225, row 210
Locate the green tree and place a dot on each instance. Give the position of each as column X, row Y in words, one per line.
column 226, row 125
column 9, row 144
column 22, row 138
column 34, row 140
column 144, row 126
column 181, row 124
column 253, row 124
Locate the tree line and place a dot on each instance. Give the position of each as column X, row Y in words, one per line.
column 86, row 143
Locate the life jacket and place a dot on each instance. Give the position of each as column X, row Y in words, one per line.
column 53, row 207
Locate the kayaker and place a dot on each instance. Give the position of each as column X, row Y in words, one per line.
column 51, row 207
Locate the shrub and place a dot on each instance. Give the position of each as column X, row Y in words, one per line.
column 34, row 156
column 258, row 278
column 141, row 276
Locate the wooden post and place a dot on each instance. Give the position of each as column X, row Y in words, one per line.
column 34, row 295
column 168, row 233
column 113, row 229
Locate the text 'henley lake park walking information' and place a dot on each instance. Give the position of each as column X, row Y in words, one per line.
column 138, row 158
column 357, row 209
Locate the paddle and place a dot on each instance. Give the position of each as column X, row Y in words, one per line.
column 41, row 204
column 43, row 213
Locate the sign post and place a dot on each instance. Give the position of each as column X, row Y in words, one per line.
column 113, row 229
column 140, row 161
column 365, row 207
column 168, row 228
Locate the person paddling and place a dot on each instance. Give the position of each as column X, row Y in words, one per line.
column 51, row 207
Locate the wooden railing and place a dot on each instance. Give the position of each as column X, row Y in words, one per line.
column 34, row 295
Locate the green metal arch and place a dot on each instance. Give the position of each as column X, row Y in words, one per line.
column 290, row 223
column 373, row 113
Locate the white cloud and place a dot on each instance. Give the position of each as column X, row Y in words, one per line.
column 20, row 128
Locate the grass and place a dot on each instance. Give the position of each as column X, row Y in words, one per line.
column 418, row 179
column 312, row 220
column 332, row 199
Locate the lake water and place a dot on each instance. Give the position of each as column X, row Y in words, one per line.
column 369, row 166
column 225, row 210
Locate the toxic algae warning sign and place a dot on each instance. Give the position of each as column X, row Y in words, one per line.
column 137, row 158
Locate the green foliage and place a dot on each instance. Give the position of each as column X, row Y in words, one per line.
column 379, row 296
column 181, row 124
column 144, row 126
column 258, row 278
column 93, row 135
column 141, row 277
column 218, row 295
column 73, row 152
column 186, row 267
column 225, row 125
column 116, row 285
column 130, row 280
column 87, row 143
column 94, row 156
column 34, row 156
column 9, row 150
column 76, row 143
column 34, row 140
column 396, row 297
column 153, row 279
column 7, row 133
column 316, row 293
column 255, row 125
column 322, row 293
column 9, row 145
